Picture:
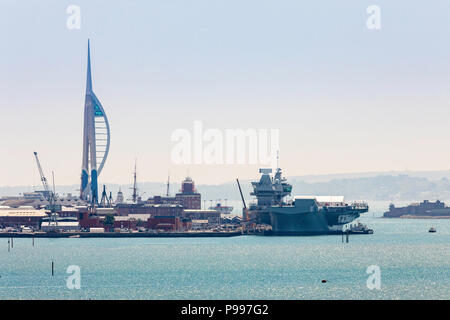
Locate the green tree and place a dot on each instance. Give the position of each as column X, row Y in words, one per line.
column 109, row 220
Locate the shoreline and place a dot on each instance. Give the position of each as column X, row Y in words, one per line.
column 419, row 217
column 77, row 235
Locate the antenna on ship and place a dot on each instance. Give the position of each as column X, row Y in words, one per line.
column 278, row 158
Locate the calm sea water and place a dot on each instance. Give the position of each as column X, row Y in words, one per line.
column 414, row 264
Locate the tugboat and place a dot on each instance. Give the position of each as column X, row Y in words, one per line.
column 360, row 228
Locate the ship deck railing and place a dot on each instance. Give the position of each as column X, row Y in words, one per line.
column 360, row 205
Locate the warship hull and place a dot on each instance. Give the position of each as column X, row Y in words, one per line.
column 307, row 218
column 305, row 223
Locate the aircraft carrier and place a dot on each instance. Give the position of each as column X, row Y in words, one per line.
column 304, row 215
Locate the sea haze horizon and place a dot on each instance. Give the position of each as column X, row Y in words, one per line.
column 320, row 177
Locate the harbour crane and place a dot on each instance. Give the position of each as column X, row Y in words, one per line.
column 43, row 179
column 48, row 194
column 246, row 219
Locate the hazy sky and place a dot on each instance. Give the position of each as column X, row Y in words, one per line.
column 345, row 98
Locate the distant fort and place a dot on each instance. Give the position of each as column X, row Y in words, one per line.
column 425, row 209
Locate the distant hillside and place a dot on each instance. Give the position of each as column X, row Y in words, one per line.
column 379, row 187
column 382, row 187
column 431, row 175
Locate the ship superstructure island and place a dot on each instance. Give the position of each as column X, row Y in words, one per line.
column 304, row 215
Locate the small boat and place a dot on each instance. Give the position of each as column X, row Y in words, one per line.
column 74, row 236
column 359, row 228
column 432, row 229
